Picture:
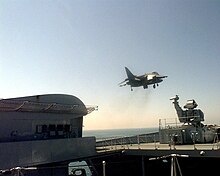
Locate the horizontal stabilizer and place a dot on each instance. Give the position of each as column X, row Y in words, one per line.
column 123, row 83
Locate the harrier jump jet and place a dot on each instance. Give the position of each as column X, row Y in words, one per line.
column 143, row 80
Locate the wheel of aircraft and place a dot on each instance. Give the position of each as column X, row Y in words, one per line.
column 145, row 86
column 154, row 86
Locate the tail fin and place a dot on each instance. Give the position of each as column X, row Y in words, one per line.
column 129, row 74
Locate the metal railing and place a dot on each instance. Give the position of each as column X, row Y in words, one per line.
column 28, row 106
column 169, row 123
column 123, row 141
column 151, row 141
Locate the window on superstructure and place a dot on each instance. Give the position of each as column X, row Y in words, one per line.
column 59, row 127
column 60, row 130
column 67, row 131
column 44, row 128
column 67, row 128
column 52, row 130
column 52, row 127
column 39, row 129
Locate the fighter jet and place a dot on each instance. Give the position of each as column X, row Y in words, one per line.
column 143, row 80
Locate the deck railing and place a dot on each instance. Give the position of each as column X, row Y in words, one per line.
column 150, row 141
column 128, row 140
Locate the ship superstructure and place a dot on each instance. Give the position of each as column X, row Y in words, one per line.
column 43, row 129
column 190, row 128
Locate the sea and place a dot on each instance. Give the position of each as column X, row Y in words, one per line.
column 111, row 133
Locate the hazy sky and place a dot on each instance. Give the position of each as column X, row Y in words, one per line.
column 80, row 47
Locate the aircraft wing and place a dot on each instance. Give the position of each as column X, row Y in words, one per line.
column 154, row 77
column 160, row 76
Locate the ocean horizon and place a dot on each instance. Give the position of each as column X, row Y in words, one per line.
column 108, row 133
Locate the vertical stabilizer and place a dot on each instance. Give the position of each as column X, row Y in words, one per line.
column 129, row 74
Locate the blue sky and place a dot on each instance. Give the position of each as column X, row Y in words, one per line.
column 81, row 48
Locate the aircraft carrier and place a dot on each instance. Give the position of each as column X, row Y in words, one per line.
column 184, row 146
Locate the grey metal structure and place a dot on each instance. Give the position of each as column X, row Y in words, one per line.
column 190, row 129
column 43, row 129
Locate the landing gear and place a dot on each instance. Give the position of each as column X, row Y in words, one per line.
column 154, row 86
column 145, row 86
column 131, row 89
